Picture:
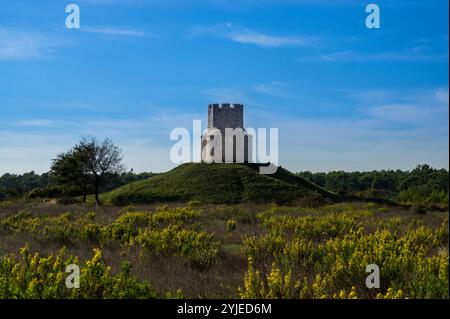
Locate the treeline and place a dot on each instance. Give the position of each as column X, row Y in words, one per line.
column 422, row 185
column 45, row 185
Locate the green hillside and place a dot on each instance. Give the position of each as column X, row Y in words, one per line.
column 216, row 183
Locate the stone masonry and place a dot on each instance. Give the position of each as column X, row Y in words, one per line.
column 225, row 139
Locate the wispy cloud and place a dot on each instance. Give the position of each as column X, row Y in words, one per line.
column 425, row 108
column 441, row 95
column 265, row 40
column 246, row 36
column 273, row 88
column 413, row 54
column 114, row 31
column 144, row 150
column 390, row 129
column 338, row 144
column 24, row 45
column 118, row 2
column 226, row 95
column 258, row 3
column 36, row 122
column 372, row 97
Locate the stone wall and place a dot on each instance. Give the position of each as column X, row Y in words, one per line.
column 223, row 116
column 235, row 148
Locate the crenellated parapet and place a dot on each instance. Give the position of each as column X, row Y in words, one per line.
column 225, row 115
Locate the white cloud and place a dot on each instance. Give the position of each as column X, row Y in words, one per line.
column 120, row 2
column 407, row 105
column 113, row 31
column 357, row 144
column 407, row 113
column 36, row 122
column 414, row 54
column 389, row 130
column 24, row 45
column 273, row 88
column 145, row 141
column 227, row 95
column 246, row 36
column 441, row 96
column 265, row 40
column 23, row 152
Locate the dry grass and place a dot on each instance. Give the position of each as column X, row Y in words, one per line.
column 170, row 273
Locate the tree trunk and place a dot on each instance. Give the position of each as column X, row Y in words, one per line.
column 97, row 200
column 84, row 198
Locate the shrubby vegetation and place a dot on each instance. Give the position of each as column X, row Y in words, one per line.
column 33, row 276
column 227, row 251
column 422, row 185
column 424, row 188
column 13, row 186
column 165, row 231
column 232, row 238
column 32, row 185
column 325, row 256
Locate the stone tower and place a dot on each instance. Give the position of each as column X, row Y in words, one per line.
column 225, row 139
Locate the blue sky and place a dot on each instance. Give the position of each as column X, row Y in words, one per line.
column 344, row 97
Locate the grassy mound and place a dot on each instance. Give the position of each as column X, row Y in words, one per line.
column 215, row 183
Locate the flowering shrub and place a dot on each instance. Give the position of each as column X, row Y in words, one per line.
column 292, row 252
column 274, row 285
column 127, row 225
column 33, row 276
column 61, row 228
column 169, row 231
column 231, row 225
column 166, row 231
column 197, row 246
column 325, row 256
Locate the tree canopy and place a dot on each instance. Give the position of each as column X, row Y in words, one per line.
column 88, row 166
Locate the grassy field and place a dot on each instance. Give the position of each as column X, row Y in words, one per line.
column 217, row 183
column 197, row 250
